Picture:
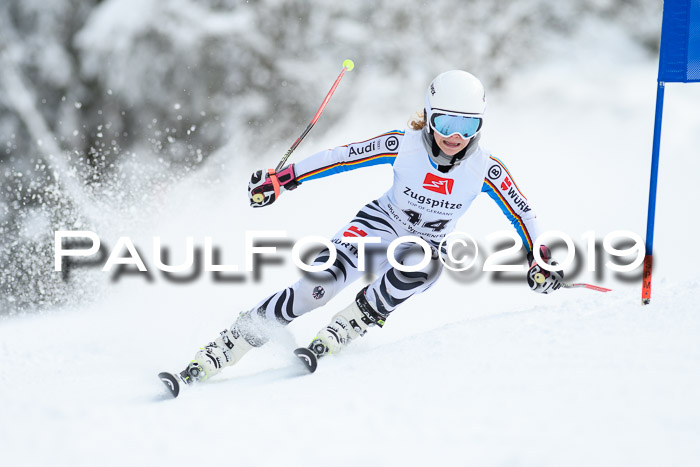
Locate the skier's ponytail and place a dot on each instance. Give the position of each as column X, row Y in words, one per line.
column 417, row 122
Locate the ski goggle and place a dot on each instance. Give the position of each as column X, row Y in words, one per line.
column 448, row 125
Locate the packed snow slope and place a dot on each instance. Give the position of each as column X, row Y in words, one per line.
column 588, row 382
column 476, row 371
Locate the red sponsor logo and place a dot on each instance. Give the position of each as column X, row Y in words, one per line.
column 354, row 232
column 438, row 184
column 506, row 184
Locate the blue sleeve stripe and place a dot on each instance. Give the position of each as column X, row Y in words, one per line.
column 515, row 219
column 511, row 177
column 386, row 158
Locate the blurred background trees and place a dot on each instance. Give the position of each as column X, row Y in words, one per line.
column 88, row 86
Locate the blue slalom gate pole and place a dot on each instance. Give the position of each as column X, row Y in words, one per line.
column 679, row 62
column 651, row 213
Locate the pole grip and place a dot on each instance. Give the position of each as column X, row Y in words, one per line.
column 275, row 182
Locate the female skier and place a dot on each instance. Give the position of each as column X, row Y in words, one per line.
column 439, row 168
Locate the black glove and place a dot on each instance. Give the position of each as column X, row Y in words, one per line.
column 265, row 188
column 541, row 280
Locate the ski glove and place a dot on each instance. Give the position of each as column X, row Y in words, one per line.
column 265, row 188
column 541, row 280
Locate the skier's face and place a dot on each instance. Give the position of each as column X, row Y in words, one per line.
column 452, row 145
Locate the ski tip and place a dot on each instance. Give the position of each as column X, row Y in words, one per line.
column 308, row 358
column 171, row 383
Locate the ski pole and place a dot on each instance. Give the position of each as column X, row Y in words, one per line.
column 539, row 278
column 347, row 66
column 569, row 285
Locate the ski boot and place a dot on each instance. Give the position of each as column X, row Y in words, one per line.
column 350, row 323
column 226, row 350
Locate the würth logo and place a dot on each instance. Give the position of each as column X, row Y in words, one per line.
column 505, row 184
column 354, row 232
column 437, row 184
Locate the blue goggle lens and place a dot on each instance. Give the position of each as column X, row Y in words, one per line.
column 447, row 125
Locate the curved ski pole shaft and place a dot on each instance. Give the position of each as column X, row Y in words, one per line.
column 347, row 66
column 569, row 285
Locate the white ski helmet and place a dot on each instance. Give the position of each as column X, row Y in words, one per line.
column 455, row 92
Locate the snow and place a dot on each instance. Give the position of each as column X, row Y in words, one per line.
column 474, row 372
column 594, row 382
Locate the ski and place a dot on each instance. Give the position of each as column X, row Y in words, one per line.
column 174, row 382
column 308, row 358
column 171, row 382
